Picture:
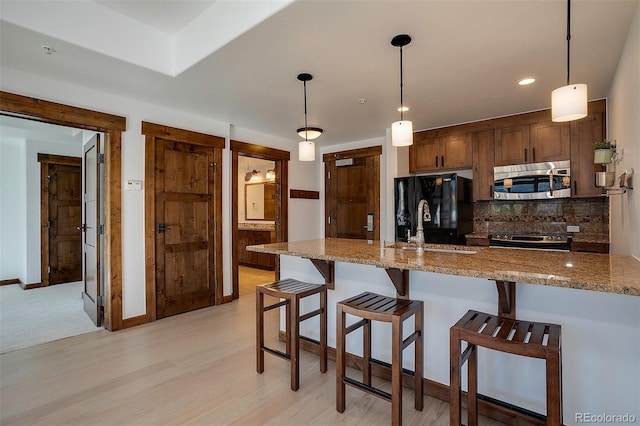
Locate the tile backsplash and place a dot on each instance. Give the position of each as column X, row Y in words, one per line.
column 544, row 217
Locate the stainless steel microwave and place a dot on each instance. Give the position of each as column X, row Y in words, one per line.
column 536, row 181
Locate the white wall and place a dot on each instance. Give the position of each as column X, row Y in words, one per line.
column 13, row 209
column 624, row 127
column 301, row 175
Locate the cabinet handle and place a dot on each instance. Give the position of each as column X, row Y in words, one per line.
column 575, row 187
column 442, row 158
column 491, row 191
column 525, row 155
column 533, row 151
column 436, row 161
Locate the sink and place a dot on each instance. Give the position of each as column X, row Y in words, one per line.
column 441, row 250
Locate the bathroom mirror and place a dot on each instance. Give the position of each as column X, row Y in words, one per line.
column 260, row 201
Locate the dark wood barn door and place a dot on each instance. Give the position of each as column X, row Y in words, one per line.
column 184, row 211
column 352, row 188
column 61, row 199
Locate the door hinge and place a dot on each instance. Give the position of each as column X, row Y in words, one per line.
column 329, row 220
column 215, row 226
column 49, row 224
column 100, row 301
column 328, row 175
column 215, row 166
column 100, row 229
column 49, row 178
column 100, row 158
column 48, row 269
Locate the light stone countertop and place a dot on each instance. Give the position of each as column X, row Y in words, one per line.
column 586, row 271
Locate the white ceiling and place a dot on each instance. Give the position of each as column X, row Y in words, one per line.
column 462, row 65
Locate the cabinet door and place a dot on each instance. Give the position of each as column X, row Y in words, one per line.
column 512, row 145
column 584, row 133
column 455, row 152
column 424, row 154
column 549, row 141
column 483, row 157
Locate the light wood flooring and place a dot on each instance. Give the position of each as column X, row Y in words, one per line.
column 192, row 369
column 249, row 277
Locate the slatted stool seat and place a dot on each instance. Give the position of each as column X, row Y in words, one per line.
column 290, row 292
column 525, row 338
column 373, row 307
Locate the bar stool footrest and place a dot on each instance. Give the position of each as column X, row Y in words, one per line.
column 366, row 388
column 387, row 365
column 512, row 407
column 276, row 352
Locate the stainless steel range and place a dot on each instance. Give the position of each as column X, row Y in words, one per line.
column 532, row 242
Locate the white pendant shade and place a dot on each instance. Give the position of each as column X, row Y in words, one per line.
column 569, row 102
column 306, row 151
column 402, row 133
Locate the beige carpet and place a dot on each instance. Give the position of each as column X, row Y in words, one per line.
column 39, row 315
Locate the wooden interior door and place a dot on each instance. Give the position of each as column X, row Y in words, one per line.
column 61, row 198
column 91, row 293
column 352, row 182
column 184, row 211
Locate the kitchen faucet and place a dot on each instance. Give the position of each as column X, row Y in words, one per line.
column 423, row 215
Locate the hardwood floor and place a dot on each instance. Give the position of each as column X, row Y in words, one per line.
column 248, row 278
column 195, row 368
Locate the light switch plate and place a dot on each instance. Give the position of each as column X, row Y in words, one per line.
column 573, row 228
column 134, row 185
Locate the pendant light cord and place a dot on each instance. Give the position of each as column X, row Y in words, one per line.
column 306, row 128
column 401, row 100
column 568, row 39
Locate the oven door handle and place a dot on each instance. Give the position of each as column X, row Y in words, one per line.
column 551, row 183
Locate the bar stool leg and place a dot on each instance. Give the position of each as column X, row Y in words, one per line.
column 419, row 361
column 454, row 378
column 340, row 359
column 472, row 384
column 295, row 342
column 366, row 353
column 323, row 331
column 396, row 371
column 260, row 331
column 554, row 388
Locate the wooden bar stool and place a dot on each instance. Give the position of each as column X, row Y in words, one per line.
column 373, row 307
column 525, row 338
column 291, row 291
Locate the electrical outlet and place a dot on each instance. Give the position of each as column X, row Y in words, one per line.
column 573, row 228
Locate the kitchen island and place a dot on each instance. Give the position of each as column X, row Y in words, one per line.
column 593, row 297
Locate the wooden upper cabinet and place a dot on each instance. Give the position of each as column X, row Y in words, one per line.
column 532, row 143
column 512, row 145
column 549, row 141
column 584, row 133
column 434, row 151
column 483, row 160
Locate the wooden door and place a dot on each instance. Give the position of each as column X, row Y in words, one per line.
column 424, row 154
column 184, row 211
column 455, row 151
column 61, row 195
column 483, row 158
column 91, row 236
column 353, row 194
column 584, row 133
column 549, row 141
column 512, row 145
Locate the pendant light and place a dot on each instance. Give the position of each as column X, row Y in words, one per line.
column 401, row 131
column 307, row 148
column 569, row 102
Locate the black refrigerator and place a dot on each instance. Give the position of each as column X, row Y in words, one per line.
column 450, row 199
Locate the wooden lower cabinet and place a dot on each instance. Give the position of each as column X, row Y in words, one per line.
column 587, row 247
column 251, row 237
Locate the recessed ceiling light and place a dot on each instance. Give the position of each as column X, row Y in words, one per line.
column 526, row 81
column 48, row 50
column 403, row 109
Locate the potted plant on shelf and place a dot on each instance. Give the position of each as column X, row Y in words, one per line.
column 603, row 151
